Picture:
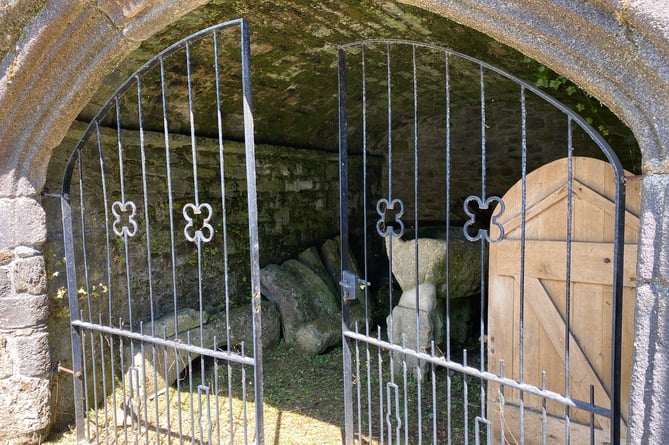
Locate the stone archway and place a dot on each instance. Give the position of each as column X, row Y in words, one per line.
column 619, row 52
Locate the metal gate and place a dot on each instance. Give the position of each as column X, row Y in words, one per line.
column 440, row 145
column 161, row 243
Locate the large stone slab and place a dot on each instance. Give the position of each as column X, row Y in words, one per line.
column 312, row 259
column 150, row 373
column 241, row 326
column 320, row 335
column 331, row 255
column 325, row 302
column 464, row 259
column 285, row 290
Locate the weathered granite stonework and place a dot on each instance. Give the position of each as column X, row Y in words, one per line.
column 56, row 54
column 25, row 362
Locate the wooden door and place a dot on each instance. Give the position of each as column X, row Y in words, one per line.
column 552, row 287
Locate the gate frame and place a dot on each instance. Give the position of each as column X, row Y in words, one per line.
column 76, row 324
column 348, row 285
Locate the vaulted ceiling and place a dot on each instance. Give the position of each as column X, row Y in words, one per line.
column 294, row 66
column 294, row 58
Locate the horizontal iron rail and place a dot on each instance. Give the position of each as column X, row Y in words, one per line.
column 477, row 373
column 222, row 355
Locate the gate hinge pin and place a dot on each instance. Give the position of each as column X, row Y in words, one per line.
column 69, row 371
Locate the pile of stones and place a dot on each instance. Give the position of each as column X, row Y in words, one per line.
column 305, row 290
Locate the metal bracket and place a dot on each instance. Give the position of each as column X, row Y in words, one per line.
column 68, row 371
column 350, row 284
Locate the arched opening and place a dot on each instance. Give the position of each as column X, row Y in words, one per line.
column 289, row 94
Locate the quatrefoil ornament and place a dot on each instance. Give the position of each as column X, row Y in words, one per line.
column 127, row 210
column 483, row 206
column 196, row 210
column 390, row 223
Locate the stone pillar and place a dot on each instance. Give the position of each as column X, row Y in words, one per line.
column 412, row 313
column 650, row 377
column 24, row 351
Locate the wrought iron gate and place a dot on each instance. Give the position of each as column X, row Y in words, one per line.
column 161, row 246
column 439, row 146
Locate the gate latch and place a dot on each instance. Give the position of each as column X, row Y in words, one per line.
column 350, row 284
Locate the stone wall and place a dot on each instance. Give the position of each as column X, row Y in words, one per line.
column 56, row 58
column 24, row 357
column 298, row 206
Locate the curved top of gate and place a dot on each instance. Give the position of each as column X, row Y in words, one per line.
column 578, row 119
column 134, row 78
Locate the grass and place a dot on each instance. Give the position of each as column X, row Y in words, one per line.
column 304, row 404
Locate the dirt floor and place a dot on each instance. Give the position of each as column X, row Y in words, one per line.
column 304, row 404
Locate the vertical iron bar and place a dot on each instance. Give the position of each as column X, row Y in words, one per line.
column 143, row 393
column 148, row 252
column 110, row 286
column 521, row 279
column 370, row 406
column 230, row 410
column 104, row 379
column 216, row 394
column 190, row 388
column 170, row 198
column 483, row 136
column 364, row 183
column 168, row 433
column 416, row 206
column 433, row 375
column 465, row 397
column 364, row 225
column 125, row 232
column 447, row 204
column 415, row 188
column 249, row 141
column 482, row 241
column 592, row 415
column 84, row 257
column 358, row 385
column 191, row 118
column 482, row 303
column 145, row 190
column 567, row 316
column 219, row 120
column 390, row 125
column 178, row 382
column 73, row 301
column 433, row 378
column 380, row 369
column 405, row 394
column 502, row 423
column 617, row 304
column 85, row 377
column 343, row 231
column 244, row 400
column 365, row 188
column 124, row 387
column 390, row 199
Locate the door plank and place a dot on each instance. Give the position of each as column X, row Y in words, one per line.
column 547, row 260
column 580, row 368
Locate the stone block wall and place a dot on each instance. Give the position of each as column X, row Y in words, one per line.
column 25, row 366
column 298, row 206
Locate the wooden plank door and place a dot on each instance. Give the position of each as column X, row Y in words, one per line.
column 565, row 315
